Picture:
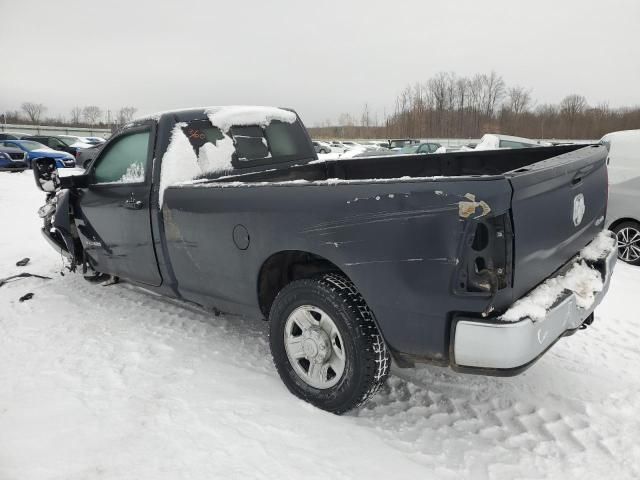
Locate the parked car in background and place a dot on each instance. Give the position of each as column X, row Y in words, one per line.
column 339, row 147
column 86, row 155
column 73, row 141
column 37, row 150
column 373, row 145
column 55, row 143
column 94, row 140
column 492, row 141
column 12, row 159
column 400, row 143
column 420, row 148
column 623, row 212
column 321, row 147
column 12, row 135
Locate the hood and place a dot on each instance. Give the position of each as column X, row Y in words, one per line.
column 81, row 145
column 41, row 152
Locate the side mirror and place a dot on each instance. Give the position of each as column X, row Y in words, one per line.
column 74, row 181
column 45, row 174
column 86, row 163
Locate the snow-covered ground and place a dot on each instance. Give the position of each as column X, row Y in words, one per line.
column 114, row 383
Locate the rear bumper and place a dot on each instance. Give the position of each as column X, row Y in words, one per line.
column 499, row 348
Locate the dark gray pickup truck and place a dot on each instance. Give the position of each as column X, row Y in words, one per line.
column 475, row 260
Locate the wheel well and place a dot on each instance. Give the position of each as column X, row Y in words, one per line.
column 283, row 268
column 622, row 220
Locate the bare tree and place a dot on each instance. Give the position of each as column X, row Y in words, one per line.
column 467, row 107
column 125, row 114
column 494, row 91
column 518, row 100
column 33, row 110
column 572, row 106
column 91, row 114
column 76, row 115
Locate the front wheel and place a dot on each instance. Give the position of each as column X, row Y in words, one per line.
column 628, row 235
column 325, row 344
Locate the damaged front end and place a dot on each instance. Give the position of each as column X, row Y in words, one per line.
column 59, row 228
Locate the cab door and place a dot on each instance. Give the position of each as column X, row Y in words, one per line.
column 113, row 212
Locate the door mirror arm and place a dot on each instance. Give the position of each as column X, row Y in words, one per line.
column 75, row 181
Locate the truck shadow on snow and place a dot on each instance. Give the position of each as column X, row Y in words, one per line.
column 431, row 411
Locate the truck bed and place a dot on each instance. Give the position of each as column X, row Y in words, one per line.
column 423, row 236
column 458, row 164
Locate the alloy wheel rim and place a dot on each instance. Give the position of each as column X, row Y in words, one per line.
column 629, row 244
column 314, row 347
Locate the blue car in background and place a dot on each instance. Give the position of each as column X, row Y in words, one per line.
column 37, row 150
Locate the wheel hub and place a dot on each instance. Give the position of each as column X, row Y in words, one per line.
column 316, row 345
column 629, row 244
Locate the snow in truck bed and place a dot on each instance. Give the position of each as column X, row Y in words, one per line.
column 114, row 383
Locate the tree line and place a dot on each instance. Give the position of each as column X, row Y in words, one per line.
column 86, row 116
column 452, row 106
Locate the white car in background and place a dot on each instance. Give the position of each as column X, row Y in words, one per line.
column 75, row 142
column 493, row 141
column 93, row 140
column 321, row 147
column 623, row 209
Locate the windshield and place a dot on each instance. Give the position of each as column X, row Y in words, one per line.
column 409, row 149
column 399, row 143
column 30, row 145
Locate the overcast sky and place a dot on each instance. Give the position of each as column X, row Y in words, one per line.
column 321, row 58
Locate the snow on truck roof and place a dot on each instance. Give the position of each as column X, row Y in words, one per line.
column 254, row 114
column 181, row 163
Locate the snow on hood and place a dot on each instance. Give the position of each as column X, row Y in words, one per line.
column 239, row 115
column 581, row 279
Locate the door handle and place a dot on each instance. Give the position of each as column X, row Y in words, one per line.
column 133, row 204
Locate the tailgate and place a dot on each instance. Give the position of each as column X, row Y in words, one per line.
column 558, row 206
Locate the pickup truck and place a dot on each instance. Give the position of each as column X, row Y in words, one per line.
column 479, row 261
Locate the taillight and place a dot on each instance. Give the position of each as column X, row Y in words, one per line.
column 486, row 256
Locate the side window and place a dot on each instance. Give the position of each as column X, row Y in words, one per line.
column 250, row 143
column 125, row 161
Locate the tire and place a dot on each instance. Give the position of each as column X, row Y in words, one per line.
column 628, row 235
column 355, row 343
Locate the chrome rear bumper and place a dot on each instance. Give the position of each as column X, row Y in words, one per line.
column 508, row 348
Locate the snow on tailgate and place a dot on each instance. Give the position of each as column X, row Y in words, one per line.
column 581, row 279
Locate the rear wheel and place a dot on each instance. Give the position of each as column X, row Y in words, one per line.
column 325, row 344
column 628, row 235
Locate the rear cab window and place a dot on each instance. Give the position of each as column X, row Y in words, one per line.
column 254, row 144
